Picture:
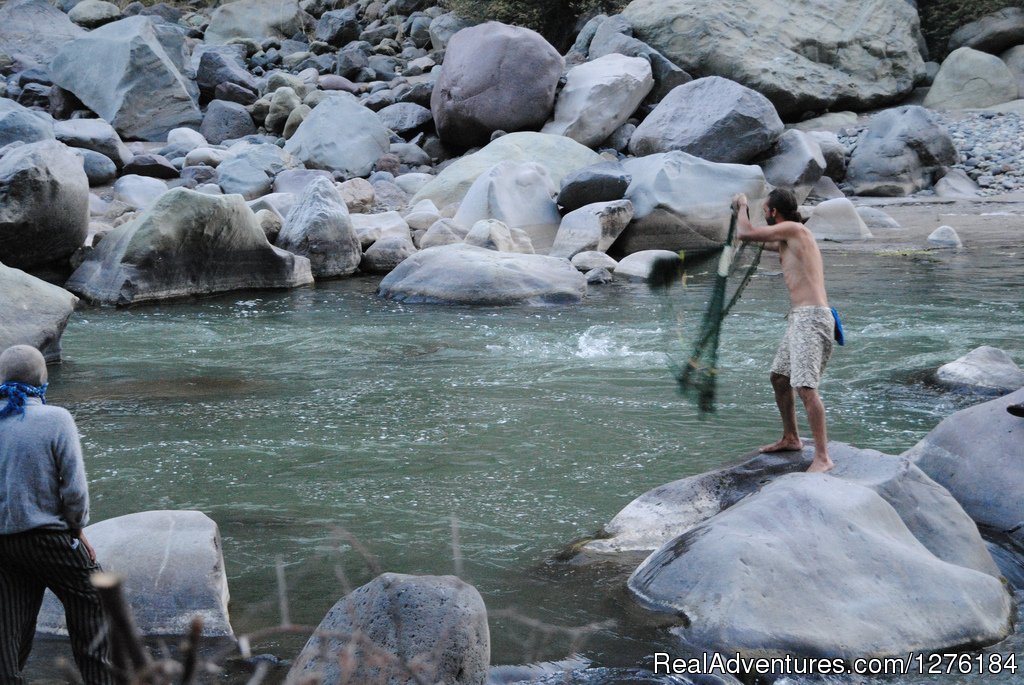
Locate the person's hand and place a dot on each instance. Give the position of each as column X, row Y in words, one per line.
column 88, row 548
column 739, row 200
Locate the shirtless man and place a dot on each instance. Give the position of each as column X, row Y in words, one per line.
column 807, row 345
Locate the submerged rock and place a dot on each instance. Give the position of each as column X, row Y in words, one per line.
column 187, row 244
column 437, row 622
column 984, row 369
column 975, row 454
column 33, row 312
column 466, row 274
column 172, row 567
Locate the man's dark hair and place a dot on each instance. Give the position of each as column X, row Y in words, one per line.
column 784, row 202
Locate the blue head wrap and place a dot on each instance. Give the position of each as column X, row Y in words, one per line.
column 16, row 394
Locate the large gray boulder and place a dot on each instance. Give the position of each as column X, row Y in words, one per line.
column 682, row 202
column 971, row 79
column 614, row 35
column 975, row 454
column 794, row 161
column 96, row 135
column 318, row 227
column 494, row 78
column 985, row 369
column 599, row 96
column 713, row 118
column 992, row 33
column 900, row 153
column 342, row 135
column 33, row 312
column 172, row 568
column 187, row 244
column 668, row 511
column 518, row 194
column 559, row 155
column 396, row 621
column 594, row 227
column 21, row 124
column 249, row 169
column 256, row 19
column 1014, row 59
column 33, row 31
column 129, row 73
column 818, row 565
column 44, row 204
column 466, row 274
column 801, row 54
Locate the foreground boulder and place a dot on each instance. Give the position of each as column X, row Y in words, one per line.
column 682, row 202
column 126, row 73
column 44, row 204
column 803, row 55
column 466, row 274
column 173, row 570
column 438, row 623
column 931, row 513
column 186, row 244
column 975, row 454
column 494, row 78
column 985, row 370
column 900, row 153
column 318, row 227
column 518, row 194
column 558, row 154
column 33, row 312
column 712, row 118
column 816, row 565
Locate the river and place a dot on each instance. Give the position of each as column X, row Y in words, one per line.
column 295, row 419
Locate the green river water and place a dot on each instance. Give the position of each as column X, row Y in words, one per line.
column 295, row 418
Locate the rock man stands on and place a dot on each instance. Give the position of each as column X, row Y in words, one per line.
column 44, row 504
column 805, row 349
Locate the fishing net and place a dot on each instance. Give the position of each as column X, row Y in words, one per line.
column 697, row 375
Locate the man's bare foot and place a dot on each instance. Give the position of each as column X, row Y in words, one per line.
column 783, row 445
column 820, row 465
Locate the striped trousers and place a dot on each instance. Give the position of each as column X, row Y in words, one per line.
column 29, row 563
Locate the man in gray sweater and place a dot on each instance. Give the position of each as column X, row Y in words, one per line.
column 44, row 504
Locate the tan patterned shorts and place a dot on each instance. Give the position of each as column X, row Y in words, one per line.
column 806, row 347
